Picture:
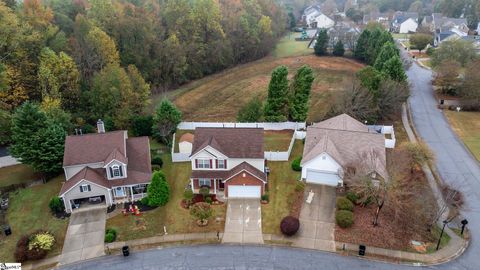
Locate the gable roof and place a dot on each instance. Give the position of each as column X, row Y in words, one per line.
column 219, row 174
column 93, row 148
column 400, row 16
column 138, row 149
column 96, row 176
column 232, row 142
column 342, row 122
column 345, row 140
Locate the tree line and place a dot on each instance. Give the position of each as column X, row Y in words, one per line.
column 379, row 89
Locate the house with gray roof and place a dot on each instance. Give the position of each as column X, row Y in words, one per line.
column 404, row 22
column 105, row 167
column 335, row 144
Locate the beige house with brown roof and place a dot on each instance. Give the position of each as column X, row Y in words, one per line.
column 336, row 143
column 105, row 167
column 229, row 161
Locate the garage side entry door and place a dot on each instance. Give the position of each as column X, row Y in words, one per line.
column 322, row 178
column 244, row 191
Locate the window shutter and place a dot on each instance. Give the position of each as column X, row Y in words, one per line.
column 111, row 172
column 121, row 170
column 211, row 164
column 89, row 188
column 216, row 163
column 196, row 163
column 81, row 189
column 225, row 163
column 212, row 182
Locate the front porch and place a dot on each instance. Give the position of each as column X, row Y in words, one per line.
column 125, row 194
column 216, row 186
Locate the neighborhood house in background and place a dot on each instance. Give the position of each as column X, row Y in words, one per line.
column 229, row 162
column 105, row 167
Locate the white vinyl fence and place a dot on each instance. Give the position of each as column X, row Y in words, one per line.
column 269, row 155
column 266, row 126
column 386, row 130
column 178, row 157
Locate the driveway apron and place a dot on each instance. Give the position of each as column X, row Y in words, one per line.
column 85, row 235
column 244, row 222
column 317, row 220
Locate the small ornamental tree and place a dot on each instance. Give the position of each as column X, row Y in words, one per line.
column 289, row 225
column 321, row 45
column 188, row 196
column 296, row 164
column 339, row 49
column 56, row 205
column 201, row 211
column 158, row 191
column 165, row 120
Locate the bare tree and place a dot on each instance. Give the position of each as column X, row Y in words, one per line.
column 355, row 101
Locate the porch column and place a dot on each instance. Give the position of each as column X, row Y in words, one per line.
column 131, row 192
column 215, row 186
column 191, row 184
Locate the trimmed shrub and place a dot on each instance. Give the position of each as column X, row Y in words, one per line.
column 296, row 164
column 344, row 218
column 430, row 51
column 344, row 204
column 352, row 196
column 157, row 160
column 21, row 249
column 41, row 240
column 265, row 197
column 204, row 191
column 208, row 200
column 300, row 186
column 289, row 225
column 110, row 235
column 56, row 205
column 158, row 192
column 188, row 196
column 156, row 167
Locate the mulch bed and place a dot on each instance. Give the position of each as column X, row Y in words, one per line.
column 296, row 204
column 142, row 207
column 199, row 198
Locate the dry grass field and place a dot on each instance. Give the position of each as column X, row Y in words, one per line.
column 219, row 97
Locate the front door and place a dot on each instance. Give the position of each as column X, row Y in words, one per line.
column 119, row 192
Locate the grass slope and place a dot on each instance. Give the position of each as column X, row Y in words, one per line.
column 16, row 174
column 219, row 97
column 288, row 46
column 467, row 127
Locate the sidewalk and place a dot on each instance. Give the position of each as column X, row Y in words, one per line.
column 165, row 239
column 8, row 161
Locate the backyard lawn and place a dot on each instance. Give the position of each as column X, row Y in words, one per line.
column 288, row 46
column 28, row 211
column 467, row 127
column 16, row 174
column 281, row 185
column 173, row 216
column 277, row 140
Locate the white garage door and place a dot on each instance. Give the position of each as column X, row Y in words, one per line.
column 322, row 178
column 244, row 191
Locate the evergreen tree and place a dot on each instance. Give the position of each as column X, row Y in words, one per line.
column 158, row 191
column 251, row 112
column 321, row 45
column 394, row 69
column 361, row 48
column 276, row 107
column 371, row 78
column 339, row 49
column 301, row 86
column 37, row 141
column 165, row 120
column 388, row 51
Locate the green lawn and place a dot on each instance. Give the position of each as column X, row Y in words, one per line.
column 28, row 211
column 277, row 140
column 431, row 248
column 467, row 127
column 400, row 36
column 281, row 184
column 288, row 46
column 16, row 174
column 172, row 215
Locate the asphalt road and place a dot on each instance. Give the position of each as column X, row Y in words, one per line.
column 454, row 163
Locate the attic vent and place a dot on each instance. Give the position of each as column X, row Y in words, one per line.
column 324, row 157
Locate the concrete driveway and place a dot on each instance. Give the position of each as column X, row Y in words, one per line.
column 85, row 235
column 317, row 220
column 244, row 222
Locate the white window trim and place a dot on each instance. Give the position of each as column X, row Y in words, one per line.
column 204, row 180
column 221, row 161
column 85, row 188
column 203, row 163
column 116, row 169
